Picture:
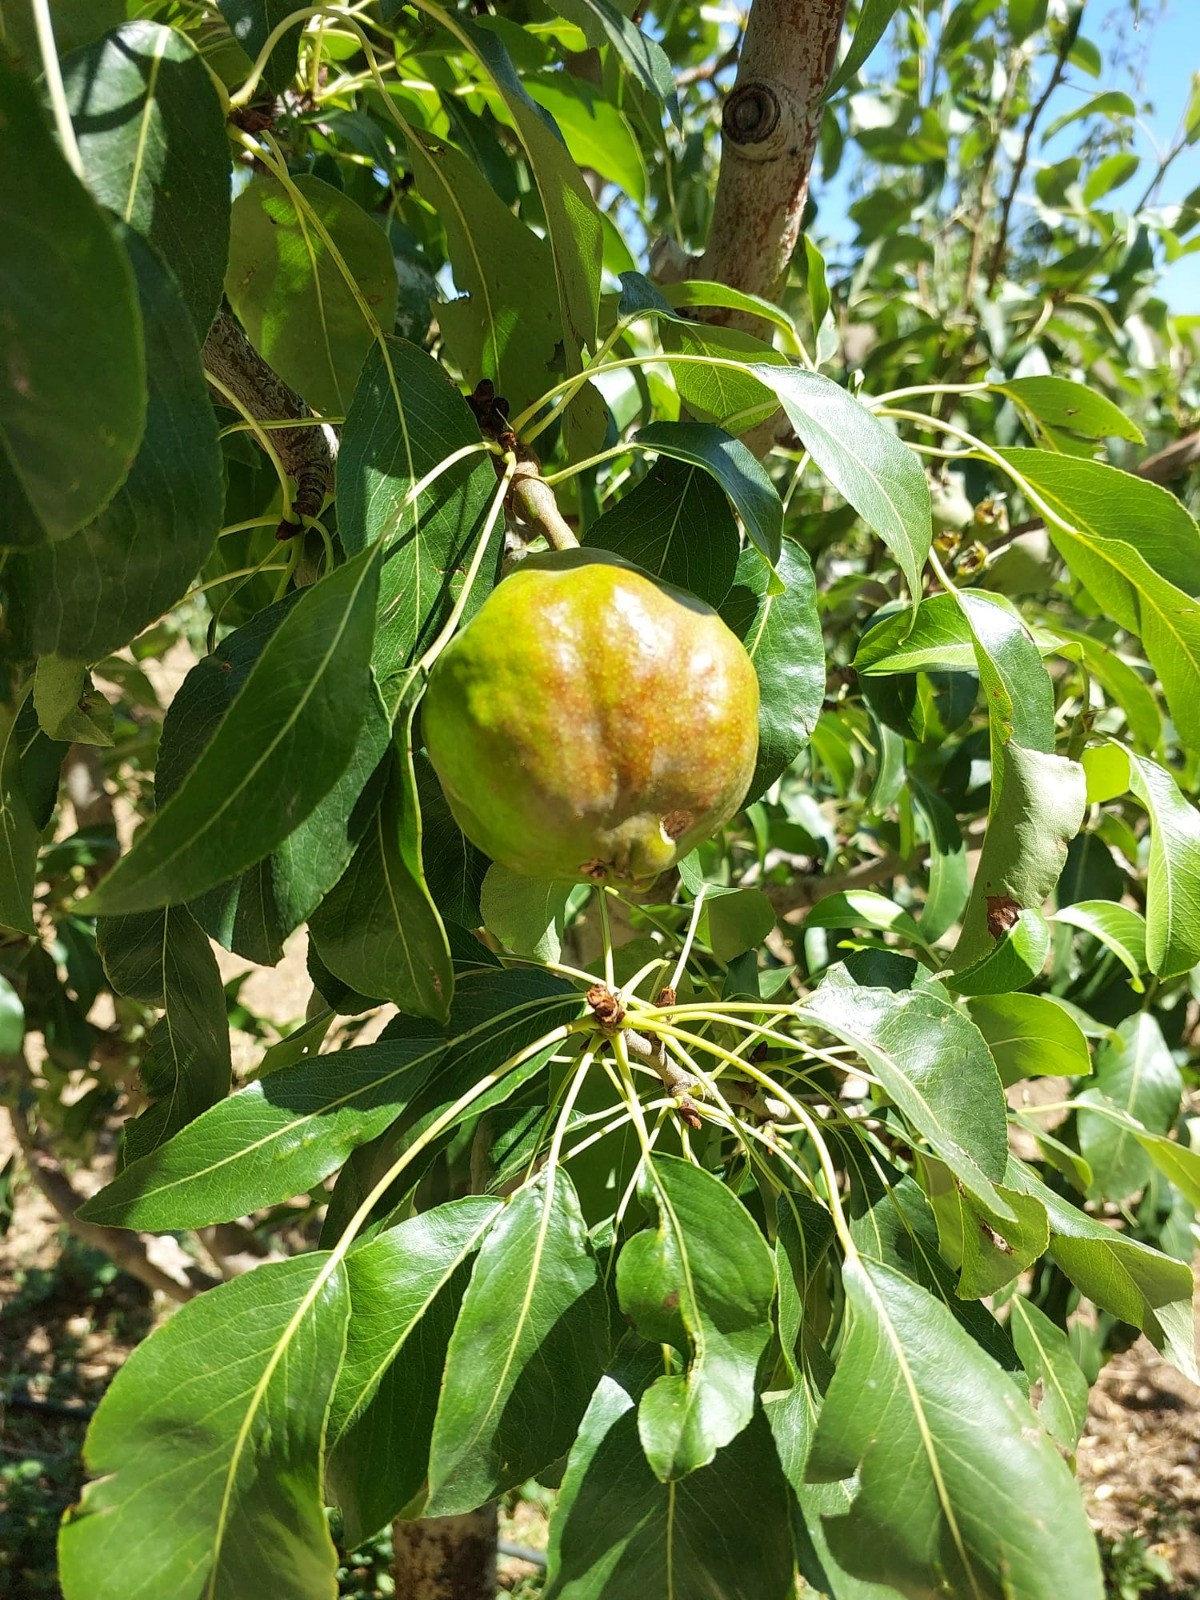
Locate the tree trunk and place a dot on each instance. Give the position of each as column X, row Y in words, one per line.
column 769, row 128
column 446, row 1558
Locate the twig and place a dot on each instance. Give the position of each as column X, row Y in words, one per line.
column 1016, row 65
column 1173, row 461
column 792, row 899
column 535, row 501
column 307, row 453
column 1065, row 45
column 708, row 70
column 127, row 1250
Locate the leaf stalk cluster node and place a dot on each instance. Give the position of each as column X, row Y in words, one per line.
column 611, row 1016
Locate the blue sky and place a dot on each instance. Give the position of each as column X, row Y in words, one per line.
column 1160, row 56
column 1170, row 40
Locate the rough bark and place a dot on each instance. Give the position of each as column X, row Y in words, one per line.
column 307, row 453
column 769, row 127
column 446, row 1558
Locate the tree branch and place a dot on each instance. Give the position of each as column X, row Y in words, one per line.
column 307, row 453
column 1015, row 66
column 1173, row 461
column 129, row 1251
column 708, row 70
column 769, row 127
column 536, row 503
column 792, row 899
column 1065, row 45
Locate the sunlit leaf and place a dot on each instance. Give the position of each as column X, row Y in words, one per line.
column 206, row 1448
column 917, row 1413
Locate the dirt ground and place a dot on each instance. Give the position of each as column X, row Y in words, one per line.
column 1139, row 1461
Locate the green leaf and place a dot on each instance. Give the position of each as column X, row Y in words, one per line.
column 507, row 328
column 703, row 292
column 255, row 912
column 528, row 1347
column 933, row 1063
column 68, row 704
column 88, row 595
column 782, row 634
column 1112, row 103
column 899, row 1228
column 864, row 461
column 1025, row 17
column 251, row 22
column 702, row 1282
column 1030, row 1036
column 736, row 920
column 1172, row 872
column 76, row 22
column 603, row 23
column 20, row 834
column 718, row 381
column 1086, row 56
column 292, row 297
column 527, row 915
column 873, row 20
column 1135, row 1072
column 949, row 882
column 1124, row 683
column 1045, row 1353
column 498, row 1015
column 1106, row 512
column 1109, row 174
column 1121, row 1275
column 454, row 868
column 917, row 1413
column 1178, row 1162
column 151, row 132
column 676, row 524
column 163, row 958
column 1015, row 959
column 596, row 132
column 1137, row 551
column 275, row 1137
column 864, row 908
column 12, row 1019
column 292, row 730
column 793, row 1418
column 407, row 418
column 288, row 1130
column 207, row 1448
column 377, row 929
column 1038, row 809
column 1119, row 928
column 406, row 1286
column 617, row 1533
column 744, row 480
column 1037, row 799
column 73, row 405
column 937, row 635
column 803, row 1242
column 573, row 223
column 1059, row 403
column 989, row 1248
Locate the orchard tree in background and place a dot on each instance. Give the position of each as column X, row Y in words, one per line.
column 686, row 1154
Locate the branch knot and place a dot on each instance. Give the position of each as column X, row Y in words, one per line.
column 751, row 114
